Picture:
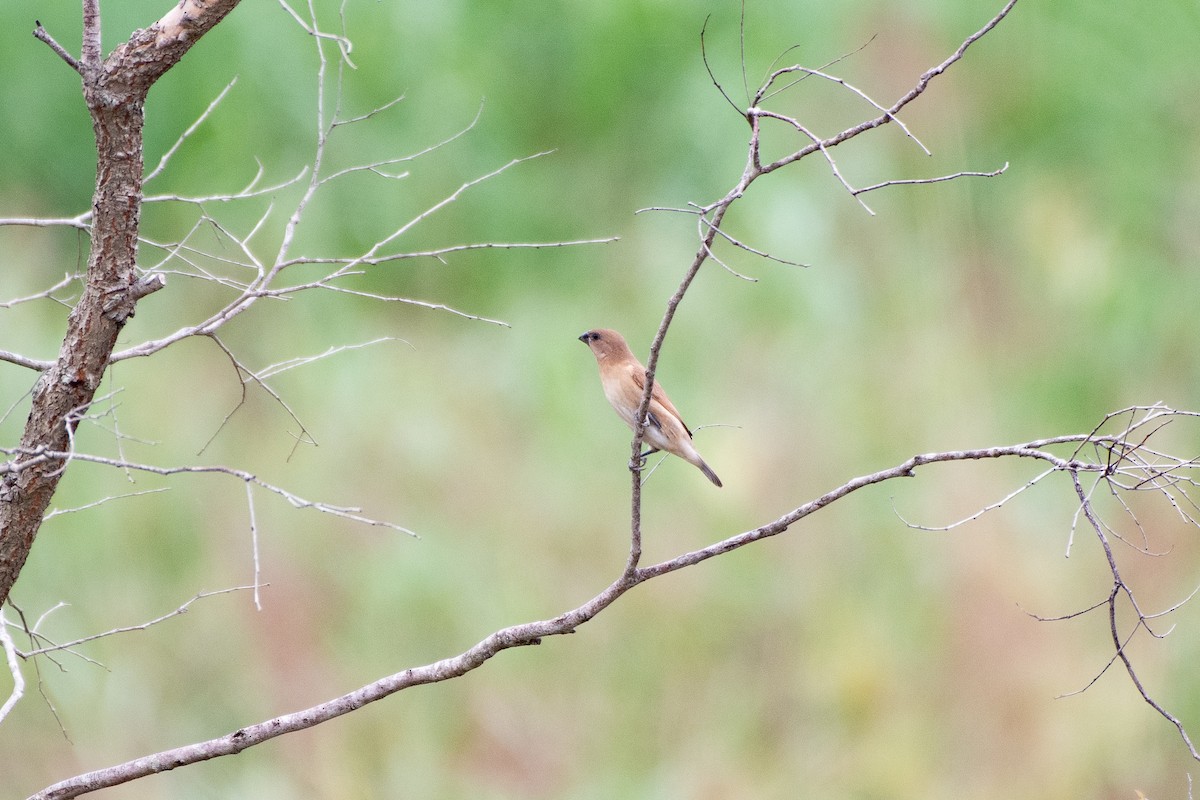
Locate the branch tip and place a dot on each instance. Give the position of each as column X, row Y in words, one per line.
column 42, row 35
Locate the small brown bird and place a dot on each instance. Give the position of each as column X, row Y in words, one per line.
column 624, row 381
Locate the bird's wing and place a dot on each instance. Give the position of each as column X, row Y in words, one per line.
column 657, row 396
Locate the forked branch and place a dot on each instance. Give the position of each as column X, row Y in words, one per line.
column 712, row 216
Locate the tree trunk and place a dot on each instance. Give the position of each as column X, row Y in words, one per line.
column 115, row 91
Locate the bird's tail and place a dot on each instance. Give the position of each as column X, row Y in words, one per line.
column 708, row 473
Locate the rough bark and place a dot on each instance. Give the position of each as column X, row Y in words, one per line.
column 115, row 92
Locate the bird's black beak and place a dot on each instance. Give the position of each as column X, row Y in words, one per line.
column 583, row 337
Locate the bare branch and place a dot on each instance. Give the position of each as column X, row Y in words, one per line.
column 264, row 286
column 251, row 376
column 254, row 545
column 439, row 252
column 568, row 622
column 91, row 34
column 413, row 302
column 971, row 518
column 70, row 646
column 311, row 28
column 67, row 280
column 725, row 266
column 81, row 222
column 774, row 76
column 183, row 137
column 251, row 190
column 743, row 246
column 438, row 206
column 804, row 76
column 708, row 67
column 890, row 113
column 115, row 89
column 378, row 165
column 25, row 361
column 1071, row 615
column 60, row 511
column 14, row 668
column 41, row 35
column 43, row 456
column 1120, row 588
column 939, row 179
column 1137, row 682
column 715, row 214
column 300, row 361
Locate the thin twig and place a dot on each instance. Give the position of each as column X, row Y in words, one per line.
column 70, row 646
column 94, row 504
column 41, row 35
column 938, row 179
column 67, row 280
column 293, row 499
column 14, row 669
column 183, row 137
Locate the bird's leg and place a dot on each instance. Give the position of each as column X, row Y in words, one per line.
column 639, row 463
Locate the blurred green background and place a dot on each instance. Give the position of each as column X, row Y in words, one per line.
column 852, row 656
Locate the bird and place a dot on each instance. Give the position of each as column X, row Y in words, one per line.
column 624, row 380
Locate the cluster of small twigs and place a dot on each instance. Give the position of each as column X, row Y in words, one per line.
column 710, row 217
column 1121, row 463
column 1132, row 464
column 246, row 270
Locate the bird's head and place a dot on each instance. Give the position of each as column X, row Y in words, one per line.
column 605, row 343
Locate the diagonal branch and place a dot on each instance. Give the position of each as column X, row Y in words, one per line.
column 41, row 35
column 715, row 215
column 532, row 633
